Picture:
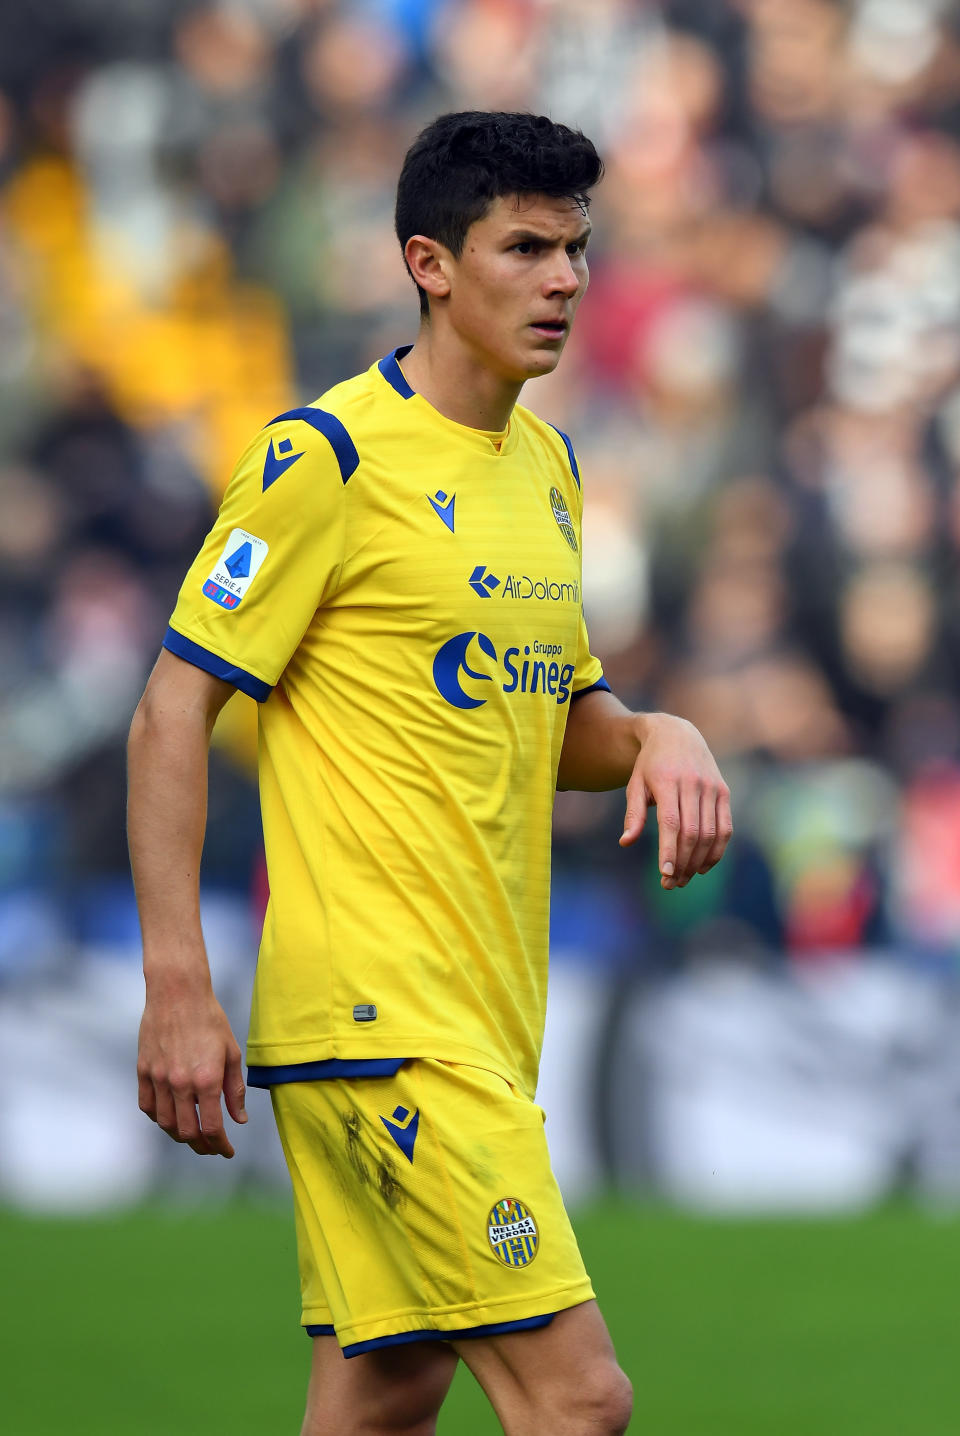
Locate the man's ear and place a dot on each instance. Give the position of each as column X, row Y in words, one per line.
column 428, row 262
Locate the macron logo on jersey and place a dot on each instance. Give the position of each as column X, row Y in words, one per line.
column 443, row 507
column 403, row 1130
column 235, row 569
column 278, row 460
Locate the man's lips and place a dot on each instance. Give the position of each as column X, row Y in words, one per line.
column 550, row 328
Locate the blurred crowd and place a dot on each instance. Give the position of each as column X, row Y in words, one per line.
column 763, row 389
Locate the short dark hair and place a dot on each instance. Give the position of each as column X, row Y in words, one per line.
column 463, row 161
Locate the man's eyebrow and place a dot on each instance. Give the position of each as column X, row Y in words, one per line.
column 530, row 236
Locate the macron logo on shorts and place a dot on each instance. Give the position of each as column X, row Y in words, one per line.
column 403, row 1130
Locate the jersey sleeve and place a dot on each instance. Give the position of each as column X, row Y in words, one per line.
column 273, row 556
column 588, row 674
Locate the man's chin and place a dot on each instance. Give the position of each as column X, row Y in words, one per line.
column 542, row 362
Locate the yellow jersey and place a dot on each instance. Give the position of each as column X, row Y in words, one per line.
column 403, row 596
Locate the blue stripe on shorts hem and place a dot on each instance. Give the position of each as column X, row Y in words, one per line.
column 320, row 1330
column 219, row 667
column 330, row 1067
column 401, row 1338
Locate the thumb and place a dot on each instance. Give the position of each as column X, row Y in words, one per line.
column 234, row 1091
column 635, row 817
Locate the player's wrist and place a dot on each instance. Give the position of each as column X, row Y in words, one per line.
column 643, row 727
column 176, row 974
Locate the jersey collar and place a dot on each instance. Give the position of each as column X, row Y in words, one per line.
column 389, row 367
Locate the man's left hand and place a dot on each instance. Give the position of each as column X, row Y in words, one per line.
column 676, row 770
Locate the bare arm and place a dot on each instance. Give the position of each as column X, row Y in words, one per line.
column 188, row 1054
column 660, row 760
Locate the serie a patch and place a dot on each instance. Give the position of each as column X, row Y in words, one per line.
column 512, row 1232
column 235, row 569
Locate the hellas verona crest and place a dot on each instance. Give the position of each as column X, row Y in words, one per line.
column 512, row 1232
column 562, row 515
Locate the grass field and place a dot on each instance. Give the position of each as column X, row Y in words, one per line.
column 176, row 1324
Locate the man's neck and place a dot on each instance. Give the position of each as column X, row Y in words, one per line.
column 455, row 382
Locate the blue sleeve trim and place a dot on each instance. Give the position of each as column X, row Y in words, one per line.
column 320, row 1330
column 390, row 369
column 331, row 1067
column 400, row 1338
column 574, row 469
column 219, row 667
column 332, row 430
column 601, row 686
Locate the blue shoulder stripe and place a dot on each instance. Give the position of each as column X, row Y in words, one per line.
column 332, row 430
column 390, row 369
column 570, row 454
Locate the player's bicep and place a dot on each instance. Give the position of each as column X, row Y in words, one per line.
column 175, row 685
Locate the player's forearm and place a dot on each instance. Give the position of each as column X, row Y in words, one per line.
column 166, row 821
column 601, row 743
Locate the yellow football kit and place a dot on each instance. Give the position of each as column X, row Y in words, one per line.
column 425, row 1207
column 403, row 596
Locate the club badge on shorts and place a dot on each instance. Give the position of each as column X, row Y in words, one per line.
column 512, row 1232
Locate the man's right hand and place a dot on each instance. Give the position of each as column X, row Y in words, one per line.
column 188, row 1056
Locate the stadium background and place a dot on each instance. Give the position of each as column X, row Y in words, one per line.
column 764, row 390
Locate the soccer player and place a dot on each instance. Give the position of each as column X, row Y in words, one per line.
column 395, row 576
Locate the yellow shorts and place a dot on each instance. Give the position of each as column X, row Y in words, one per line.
column 425, row 1207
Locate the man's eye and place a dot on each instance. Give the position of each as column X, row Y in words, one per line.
column 524, row 247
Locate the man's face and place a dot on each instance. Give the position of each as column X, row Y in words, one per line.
column 515, row 288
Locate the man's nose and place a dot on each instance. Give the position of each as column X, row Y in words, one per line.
column 563, row 277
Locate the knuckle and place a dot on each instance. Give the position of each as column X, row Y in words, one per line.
column 670, row 821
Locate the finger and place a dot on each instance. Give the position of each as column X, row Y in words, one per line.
column 689, row 834
column 636, row 814
column 211, row 1121
column 165, row 1108
column 234, row 1091
column 699, row 860
column 188, row 1123
column 668, row 824
column 146, row 1097
column 724, row 830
